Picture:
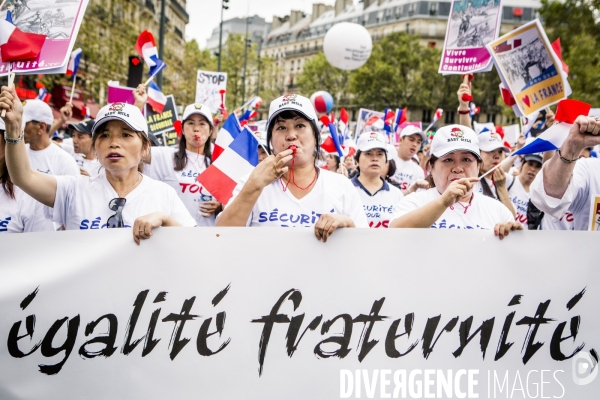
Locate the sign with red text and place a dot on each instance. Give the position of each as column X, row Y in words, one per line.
column 203, row 313
column 471, row 26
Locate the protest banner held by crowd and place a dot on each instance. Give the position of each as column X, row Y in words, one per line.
column 345, row 150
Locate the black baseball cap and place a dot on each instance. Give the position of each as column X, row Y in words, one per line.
column 83, row 126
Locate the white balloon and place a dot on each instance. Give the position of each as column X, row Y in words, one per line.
column 347, row 45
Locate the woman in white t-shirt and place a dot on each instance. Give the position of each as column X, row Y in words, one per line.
column 378, row 196
column 519, row 188
column 119, row 197
column 287, row 188
column 452, row 203
column 180, row 168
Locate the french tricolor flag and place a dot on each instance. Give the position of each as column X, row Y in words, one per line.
column 343, row 124
column 235, row 162
column 247, row 116
column 16, row 45
column 552, row 138
column 146, row 47
column 255, row 102
column 156, row 98
column 74, row 62
column 229, row 131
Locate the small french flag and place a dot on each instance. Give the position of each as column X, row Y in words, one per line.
column 146, row 47
column 235, row 162
column 156, row 98
column 74, row 62
column 388, row 120
column 438, row 114
column 255, row 102
column 334, row 135
column 16, row 45
column 343, row 123
column 247, row 116
column 552, row 138
column 229, row 131
column 401, row 116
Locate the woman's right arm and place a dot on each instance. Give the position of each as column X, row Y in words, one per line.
column 41, row 187
column 270, row 169
column 425, row 216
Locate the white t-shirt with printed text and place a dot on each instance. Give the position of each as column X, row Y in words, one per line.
column 52, row 160
column 92, row 167
column 519, row 198
column 378, row 207
column 565, row 223
column 22, row 214
column 190, row 191
column 478, row 188
column 483, row 213
column 82, row 202
column 332, row 194
column 407, row 172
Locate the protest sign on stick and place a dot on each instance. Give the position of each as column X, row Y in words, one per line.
column 159, row 123
column 530, row 68
column 58, row 20
column 471, row 26
column 210, row 89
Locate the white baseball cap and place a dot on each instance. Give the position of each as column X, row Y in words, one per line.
column 371, row 140
column 490, row 141
column 37, row 110
column 412, row 130
column 127, row 113
column 199, row 109
column 292, row 102
column 454, row 137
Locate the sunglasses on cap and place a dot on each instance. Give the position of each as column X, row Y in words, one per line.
column 116, row 220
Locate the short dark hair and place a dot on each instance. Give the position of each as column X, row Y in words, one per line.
column 290, row 114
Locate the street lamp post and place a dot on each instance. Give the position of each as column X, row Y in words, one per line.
column 248, row 43
column 260, row 41
column 161, row 40
column 223, row 7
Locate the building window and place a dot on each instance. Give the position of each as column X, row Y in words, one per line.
column 432, row 29
column 292, row 67
column 433, row 9
column 411, row 9
column 407, row 28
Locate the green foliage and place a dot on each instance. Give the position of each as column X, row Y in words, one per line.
column 575, row 23
column 317, row 74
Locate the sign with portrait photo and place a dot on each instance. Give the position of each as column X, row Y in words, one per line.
column 472, row 25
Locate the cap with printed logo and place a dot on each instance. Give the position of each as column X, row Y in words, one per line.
column 371, row 140
column 127, row 113
column 412, row 130
column 199, row 109
column 452, row 138
column 83, row 126
column 490, row 141
column 292, row 102
column 38, row 111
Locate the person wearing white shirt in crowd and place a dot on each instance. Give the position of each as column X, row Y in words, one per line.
column 407, row 171
column 568, row 182
column 119, row 197
column 82, row 146
column 180, row 168
column 377, row 196
column 452, row 202
column 261, row 136
column 19, row 212
column 495, row 185
column 287, row 188
column 519, row 188
column 44, row 156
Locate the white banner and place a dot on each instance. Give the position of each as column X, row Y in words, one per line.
column 211, row 89
column 274, row 314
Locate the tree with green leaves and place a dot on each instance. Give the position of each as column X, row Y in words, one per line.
column 575, row 23
column 317, row 74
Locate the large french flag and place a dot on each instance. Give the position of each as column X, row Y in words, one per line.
column 73, row 65
column 552, row 138
column 237, row 161
column 156, row 98
column 146, row 47
column 16, row 45
column 229, row 131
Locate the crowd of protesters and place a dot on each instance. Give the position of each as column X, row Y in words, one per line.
column 111, row 176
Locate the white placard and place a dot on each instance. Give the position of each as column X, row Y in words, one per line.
column 208, row 89
column 338, row 307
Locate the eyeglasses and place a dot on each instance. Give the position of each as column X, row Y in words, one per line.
column 116, row 220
